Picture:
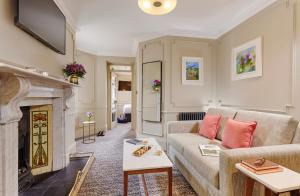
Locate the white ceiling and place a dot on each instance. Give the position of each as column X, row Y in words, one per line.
column 114, row 27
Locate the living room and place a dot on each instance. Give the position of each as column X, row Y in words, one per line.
column 194, row 66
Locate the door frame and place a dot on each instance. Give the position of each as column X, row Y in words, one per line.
column 109, row 92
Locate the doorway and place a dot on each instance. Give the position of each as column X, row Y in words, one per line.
column 119, row 95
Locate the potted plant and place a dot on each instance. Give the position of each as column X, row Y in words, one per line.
column 156, row 84
column 74, row 71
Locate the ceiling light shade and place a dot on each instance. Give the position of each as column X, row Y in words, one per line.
column 157, row 7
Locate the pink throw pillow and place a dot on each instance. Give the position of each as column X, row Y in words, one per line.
column 210, row 126
column 238, row 134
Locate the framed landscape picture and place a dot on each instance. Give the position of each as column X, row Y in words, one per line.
column 192, row 70
column 247, row 60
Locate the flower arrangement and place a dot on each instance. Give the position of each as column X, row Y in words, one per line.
column 89, row 115
column 74, row 69
column 156, row 84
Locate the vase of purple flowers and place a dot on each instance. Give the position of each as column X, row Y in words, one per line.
column 156, row 84
column 74, row 71
column 89, row 115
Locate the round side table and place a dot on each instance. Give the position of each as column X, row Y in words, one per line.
column 87, row 139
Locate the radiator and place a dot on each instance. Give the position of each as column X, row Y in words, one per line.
column 184, row 116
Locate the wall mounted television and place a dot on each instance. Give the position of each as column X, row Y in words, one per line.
column 43, row 20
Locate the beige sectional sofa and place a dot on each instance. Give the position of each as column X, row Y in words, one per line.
column 276, row 138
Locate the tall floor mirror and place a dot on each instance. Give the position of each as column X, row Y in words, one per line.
column 151, row 101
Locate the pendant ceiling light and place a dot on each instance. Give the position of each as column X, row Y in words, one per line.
column 157, row 7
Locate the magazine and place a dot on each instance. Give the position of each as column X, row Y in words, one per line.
column 134, row 141
column 210, row 150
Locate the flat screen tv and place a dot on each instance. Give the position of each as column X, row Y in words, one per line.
column 43, row 20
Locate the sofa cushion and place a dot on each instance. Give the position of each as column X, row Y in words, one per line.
column 180, row 140
column 209, row 126
column 238, row 134
column 207, row 166
column 272, row 129
column 226, row 113
column 296, row 139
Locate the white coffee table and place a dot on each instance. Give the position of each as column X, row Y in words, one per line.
column 275, row 183
column 147, row 163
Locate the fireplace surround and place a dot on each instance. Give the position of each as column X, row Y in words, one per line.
column 25, row 177
column 18, row 88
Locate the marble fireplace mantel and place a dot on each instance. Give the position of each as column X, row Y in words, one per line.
column 21, row 87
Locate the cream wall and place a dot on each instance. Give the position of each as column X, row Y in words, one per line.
column 18, row 47
column 175, row 96
column 296, row 70
column 278, row 89
column 92, row 93
column 85, row 93
column 101, row 82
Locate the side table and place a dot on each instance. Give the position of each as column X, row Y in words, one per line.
column 87, row 139
column 274, row 183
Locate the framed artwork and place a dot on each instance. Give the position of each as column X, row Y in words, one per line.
column 247, row 60
column 192, row 71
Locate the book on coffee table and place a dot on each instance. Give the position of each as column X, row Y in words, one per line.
column 266, row 168
column 266, row 165
column 210, row 150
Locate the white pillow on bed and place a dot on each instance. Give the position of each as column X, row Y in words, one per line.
column 127, row 109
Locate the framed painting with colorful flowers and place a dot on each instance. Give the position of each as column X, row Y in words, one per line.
column 247, row 60
column 192, row 70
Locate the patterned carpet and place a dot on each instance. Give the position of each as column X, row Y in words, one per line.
column 106, row 175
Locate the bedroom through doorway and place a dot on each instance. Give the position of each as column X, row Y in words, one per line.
column 119, row 95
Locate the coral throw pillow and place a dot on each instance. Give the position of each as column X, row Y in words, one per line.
column 210, row 126
column 238, row 134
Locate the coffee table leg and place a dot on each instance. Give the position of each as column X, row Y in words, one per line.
column 145, row 185
column 170, row 180
column 249, row 186
column 125, row 183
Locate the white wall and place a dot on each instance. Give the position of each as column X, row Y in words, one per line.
column 18, row 47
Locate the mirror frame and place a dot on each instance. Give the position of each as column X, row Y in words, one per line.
column 161, row 80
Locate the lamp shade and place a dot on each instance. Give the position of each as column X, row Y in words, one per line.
column 157, row 7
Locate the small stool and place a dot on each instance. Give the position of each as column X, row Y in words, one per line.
column 89, row 138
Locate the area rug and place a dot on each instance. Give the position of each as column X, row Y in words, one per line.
column 106, row 176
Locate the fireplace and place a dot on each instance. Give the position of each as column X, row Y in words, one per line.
column 21, row 93
column 25, row 176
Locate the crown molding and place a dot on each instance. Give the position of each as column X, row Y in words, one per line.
column 244, row 15
column 106, row 53
column 241, row 17
column 171, row 32
column 70, row 20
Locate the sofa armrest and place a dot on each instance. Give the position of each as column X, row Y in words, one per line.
column 286, row 155
column 183, row 126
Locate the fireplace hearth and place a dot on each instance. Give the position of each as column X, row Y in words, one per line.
column 25, row 177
